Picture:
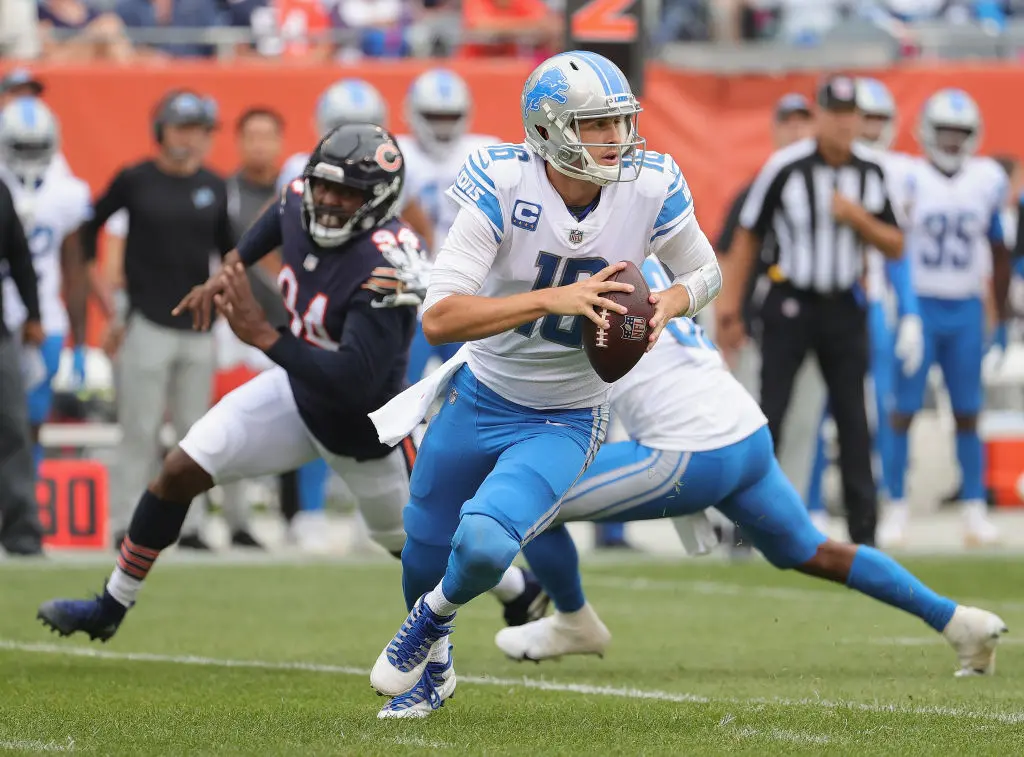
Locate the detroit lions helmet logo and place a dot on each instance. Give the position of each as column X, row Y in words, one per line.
column 550, row 85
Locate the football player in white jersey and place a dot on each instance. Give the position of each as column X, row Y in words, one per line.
column 954, row 241
column 677, row 464
column 895, row 331
column 352, row 101
column 52, row 204
column 523, row 411
column 438, row 108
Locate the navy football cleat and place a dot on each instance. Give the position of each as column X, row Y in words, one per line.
column 99, row 617
column 531, row 605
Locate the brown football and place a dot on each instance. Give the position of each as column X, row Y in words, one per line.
column 613, row 352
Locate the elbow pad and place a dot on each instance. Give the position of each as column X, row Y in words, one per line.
column 703, row 285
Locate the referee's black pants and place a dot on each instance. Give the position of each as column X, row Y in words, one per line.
column 835, row 328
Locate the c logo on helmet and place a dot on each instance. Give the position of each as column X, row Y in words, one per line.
column 388, row 157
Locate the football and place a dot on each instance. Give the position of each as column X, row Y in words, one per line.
column 614, row 351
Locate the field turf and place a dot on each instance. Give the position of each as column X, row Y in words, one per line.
column 272, row 657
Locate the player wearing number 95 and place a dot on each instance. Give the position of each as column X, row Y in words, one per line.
column 676, row 463
column 523, row 412
column 353, row 279
column 954, row 240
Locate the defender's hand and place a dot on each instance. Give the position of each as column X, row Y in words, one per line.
column 245, row 316
column 199, row 301
column 582, row 297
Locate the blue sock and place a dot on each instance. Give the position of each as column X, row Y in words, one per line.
column 607, row 532
column 814, row 499
column 482, row 550
column 970, row 455
column 312, row 482
column 553, row 558
column 898, row 469
column 423, row 565
column 879, row 576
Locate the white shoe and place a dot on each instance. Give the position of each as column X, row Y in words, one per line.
column 979, row 531
column 974, row 634
column 580, row 632
column 892, row 532
column 399, row 667
column 309, row 530
column 435, row 687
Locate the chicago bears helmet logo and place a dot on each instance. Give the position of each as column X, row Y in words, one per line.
column 634, row 327
column 550, row 85
column 388, row 157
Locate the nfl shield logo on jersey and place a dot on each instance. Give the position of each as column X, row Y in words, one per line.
column 634, row 327
column 575, row 236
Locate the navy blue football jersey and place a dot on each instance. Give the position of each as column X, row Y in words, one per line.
column 346, row 346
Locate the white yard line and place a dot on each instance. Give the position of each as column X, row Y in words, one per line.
column 33, row 745
column 957, row 713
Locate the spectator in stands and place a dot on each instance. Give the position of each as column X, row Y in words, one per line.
column 20, row 531
column 173, row 14
column 380, row 24
column 285, row 28
column 177, row 216
column 518, row 28
column 97, row 35
column 19, row 30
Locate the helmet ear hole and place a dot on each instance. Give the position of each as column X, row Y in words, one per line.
column 542, row 132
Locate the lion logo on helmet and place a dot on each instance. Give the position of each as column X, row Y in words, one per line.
column 550, row 85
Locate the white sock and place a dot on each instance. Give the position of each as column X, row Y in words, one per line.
column 439, row 603
column 511, row 585
column 123, row 587
column 439, row 652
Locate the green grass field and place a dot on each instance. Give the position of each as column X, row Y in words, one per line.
column 707, row 658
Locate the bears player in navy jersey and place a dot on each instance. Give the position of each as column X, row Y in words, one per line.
column 352, row 279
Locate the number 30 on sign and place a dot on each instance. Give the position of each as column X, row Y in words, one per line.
column 72, row 496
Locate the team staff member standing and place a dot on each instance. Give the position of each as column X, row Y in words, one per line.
column 825, row 198
column 178, row 214
column 20, row 532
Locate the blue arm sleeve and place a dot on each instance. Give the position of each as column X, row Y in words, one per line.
column 995, row 229
column 373, row 340
column 898, row 272
column 263, row 236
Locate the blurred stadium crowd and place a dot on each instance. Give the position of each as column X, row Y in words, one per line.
column 124, row 30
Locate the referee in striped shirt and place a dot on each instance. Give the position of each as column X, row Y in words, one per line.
column 825, row 199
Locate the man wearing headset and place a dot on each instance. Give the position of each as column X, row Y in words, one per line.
column 179, row 217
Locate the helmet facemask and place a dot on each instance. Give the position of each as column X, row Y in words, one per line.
column 878, row 130
column 438, row 131
column 561, row 145
column 949, row 146
column 334, row 212
column 28, row 157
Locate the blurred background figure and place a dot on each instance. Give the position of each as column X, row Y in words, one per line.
column 20, row 530
column 177, row 217
column 52, row 205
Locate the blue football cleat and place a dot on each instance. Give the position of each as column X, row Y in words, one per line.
column 435, row 687
column 531, row 605
column 99, row 617
column 401, row 663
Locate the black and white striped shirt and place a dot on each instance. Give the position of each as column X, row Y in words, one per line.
column 792, row 196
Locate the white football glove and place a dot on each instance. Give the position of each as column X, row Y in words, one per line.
column 910, row 344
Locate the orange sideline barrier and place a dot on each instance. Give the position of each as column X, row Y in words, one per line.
column 716, row 127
